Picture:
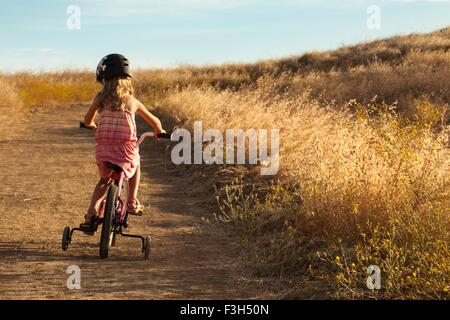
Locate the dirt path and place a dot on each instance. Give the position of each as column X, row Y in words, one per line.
column 47, row 177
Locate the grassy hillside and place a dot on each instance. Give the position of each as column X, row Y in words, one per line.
column 398, row 69
column 365, row 163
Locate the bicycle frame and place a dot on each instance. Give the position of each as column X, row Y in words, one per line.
column 118, row 179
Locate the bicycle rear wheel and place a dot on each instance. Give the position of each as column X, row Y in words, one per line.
column 108, row 218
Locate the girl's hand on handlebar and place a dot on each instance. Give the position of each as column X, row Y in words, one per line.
column 158, row 131
column 92, row 126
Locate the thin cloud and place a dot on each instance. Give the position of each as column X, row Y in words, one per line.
column 35, row 50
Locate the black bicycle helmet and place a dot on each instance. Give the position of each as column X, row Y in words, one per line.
column 113, row 65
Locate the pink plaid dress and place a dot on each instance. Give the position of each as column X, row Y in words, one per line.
column 116, row 142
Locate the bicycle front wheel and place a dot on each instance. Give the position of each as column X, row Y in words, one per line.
column 108, row 217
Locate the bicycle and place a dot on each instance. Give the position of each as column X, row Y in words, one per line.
column 112, row 213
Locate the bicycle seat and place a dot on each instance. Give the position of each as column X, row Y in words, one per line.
column 113, row 166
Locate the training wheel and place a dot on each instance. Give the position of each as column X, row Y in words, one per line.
column 147, row 248
column 66, row 238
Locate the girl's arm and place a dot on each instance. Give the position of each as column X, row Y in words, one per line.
column 90, row 115
column 149, row 118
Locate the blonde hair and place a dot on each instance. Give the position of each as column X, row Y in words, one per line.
column 114, row 91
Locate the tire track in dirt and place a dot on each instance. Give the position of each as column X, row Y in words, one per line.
column 47, row 176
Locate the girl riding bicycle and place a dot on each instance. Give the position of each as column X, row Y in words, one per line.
column 116, row 138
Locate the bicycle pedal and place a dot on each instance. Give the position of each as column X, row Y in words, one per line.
column 88, row 229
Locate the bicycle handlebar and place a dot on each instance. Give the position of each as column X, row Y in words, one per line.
column 83, row 126
column 152, row 135
column 142, row 137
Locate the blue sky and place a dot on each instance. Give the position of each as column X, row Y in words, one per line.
column 165, row 33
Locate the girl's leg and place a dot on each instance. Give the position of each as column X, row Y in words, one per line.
column 133, row 186
column 99, row 194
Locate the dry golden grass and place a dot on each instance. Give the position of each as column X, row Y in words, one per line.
column 10, row 106
column 365, row 164
column 356, row 188
column 55, row 89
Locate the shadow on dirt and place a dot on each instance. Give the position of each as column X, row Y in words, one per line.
column 21, row 252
